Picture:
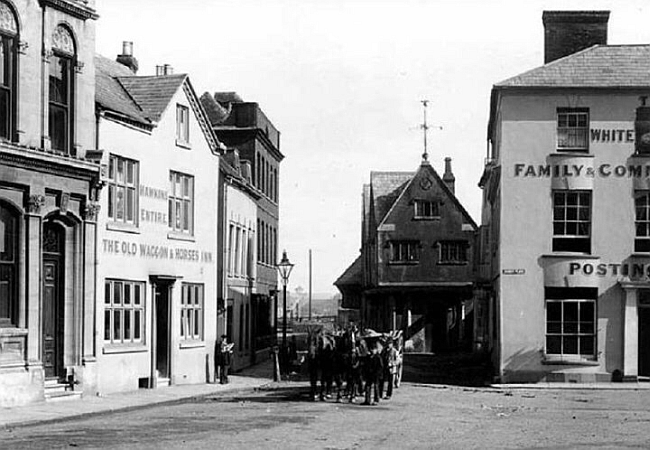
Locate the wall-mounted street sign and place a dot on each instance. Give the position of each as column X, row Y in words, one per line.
column 513, row 271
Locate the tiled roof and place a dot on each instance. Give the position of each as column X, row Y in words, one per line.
column 598, row 66
column 110, row 94
column 352, row 275
column 153, row 93
column 386, row 187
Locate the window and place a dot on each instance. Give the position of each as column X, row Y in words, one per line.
column 181, row 203
column 572, row 130
column 425, row 209
column 8, row 266
column 123, row 189
column 642, row 221
column 453, row 252
column 571, row 322
column 572, row 221
column 404, row 251
column 231, row 241
column 182, row 124
column 8, row 45
column 124, row 311
column 61, row 76
column 192, row 311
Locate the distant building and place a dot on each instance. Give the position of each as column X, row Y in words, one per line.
column 244, row 126
column 415, row 271
column 566, row 224
column 49, row 187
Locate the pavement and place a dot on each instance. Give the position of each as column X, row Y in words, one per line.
column 255, row 377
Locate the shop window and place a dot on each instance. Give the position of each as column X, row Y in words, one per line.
column 452, row 252
column 182, row 125
column 425, row 209
column 181, row 203
column 572, row 221
column 123, row 195
column 404, row 252
column 642, row 221
column 61, row 91
column 192, row 311
column 571, row 323
column 8, row 45
column 124, row 311
column 8, row 267
column 573, row 130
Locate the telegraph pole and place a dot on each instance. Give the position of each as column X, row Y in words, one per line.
column 425, row 128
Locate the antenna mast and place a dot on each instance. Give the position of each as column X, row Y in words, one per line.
column 425, row 128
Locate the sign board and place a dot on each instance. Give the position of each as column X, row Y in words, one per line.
column 513, row 271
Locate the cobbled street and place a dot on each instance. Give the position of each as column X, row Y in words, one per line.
column 418, row 416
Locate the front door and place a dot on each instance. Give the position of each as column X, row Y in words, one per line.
column 52, row 300
column 162, row 329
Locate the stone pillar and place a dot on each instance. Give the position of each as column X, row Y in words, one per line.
column 33, row 221
column 89, row 268
column 630, row 334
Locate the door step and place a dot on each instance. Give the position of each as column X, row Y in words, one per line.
column 162, row 382
column 56, row 391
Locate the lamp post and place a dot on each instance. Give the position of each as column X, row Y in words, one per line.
column 284, row 267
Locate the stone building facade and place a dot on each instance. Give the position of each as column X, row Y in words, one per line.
column 49, row 185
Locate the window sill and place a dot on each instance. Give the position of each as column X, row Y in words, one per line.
column 403, row 263
column 110, row 349
column 640, row 155
column 572, row 152
column 191, row 344
column 123, row 227
column 426, row 218
column 640, row 255
column 180, row 237
column 182, row 144
column 560, row 361
column 570, row 255
column 453, row 263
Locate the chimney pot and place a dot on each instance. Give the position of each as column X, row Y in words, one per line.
column 126, row 58
column 448, row 178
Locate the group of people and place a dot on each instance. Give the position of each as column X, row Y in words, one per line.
column 368, row 363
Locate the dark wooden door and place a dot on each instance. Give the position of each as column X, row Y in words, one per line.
column 644, row 341
column 162, row 330
column 52, row 302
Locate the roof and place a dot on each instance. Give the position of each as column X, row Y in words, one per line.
column 153, row 93
column 386, row 187
column 109, row 92
column 352, row 275
column 600, row 66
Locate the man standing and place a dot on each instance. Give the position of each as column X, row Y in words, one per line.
column 223, row 355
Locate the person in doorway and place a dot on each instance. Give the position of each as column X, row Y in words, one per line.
column 224, row 356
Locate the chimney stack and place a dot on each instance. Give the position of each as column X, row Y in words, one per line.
column 567, row 32
column 449, row 178
column 165, row 69
column 127, row 58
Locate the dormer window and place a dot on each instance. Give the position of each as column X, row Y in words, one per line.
column 426, row 209
column 61, row 91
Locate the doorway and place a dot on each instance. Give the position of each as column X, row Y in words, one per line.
column 161, row 324
column 644, row 340
column 52, row 321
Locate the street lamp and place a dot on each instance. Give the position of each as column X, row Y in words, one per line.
column 284, row 267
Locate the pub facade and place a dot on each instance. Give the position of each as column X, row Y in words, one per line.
column 565, row 230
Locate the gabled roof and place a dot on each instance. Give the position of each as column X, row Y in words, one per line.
column 144, row 99
column 600, row 66
column 386, row 187
column 352, row 275
column 425, row 166
column 153, row 93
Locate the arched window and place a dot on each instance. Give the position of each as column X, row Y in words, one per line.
column 8, row 266
column 8, row 45
column 61, row 89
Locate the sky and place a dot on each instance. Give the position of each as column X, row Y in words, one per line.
column 343, row 81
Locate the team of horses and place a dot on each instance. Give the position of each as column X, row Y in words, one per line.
column 338, row 361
